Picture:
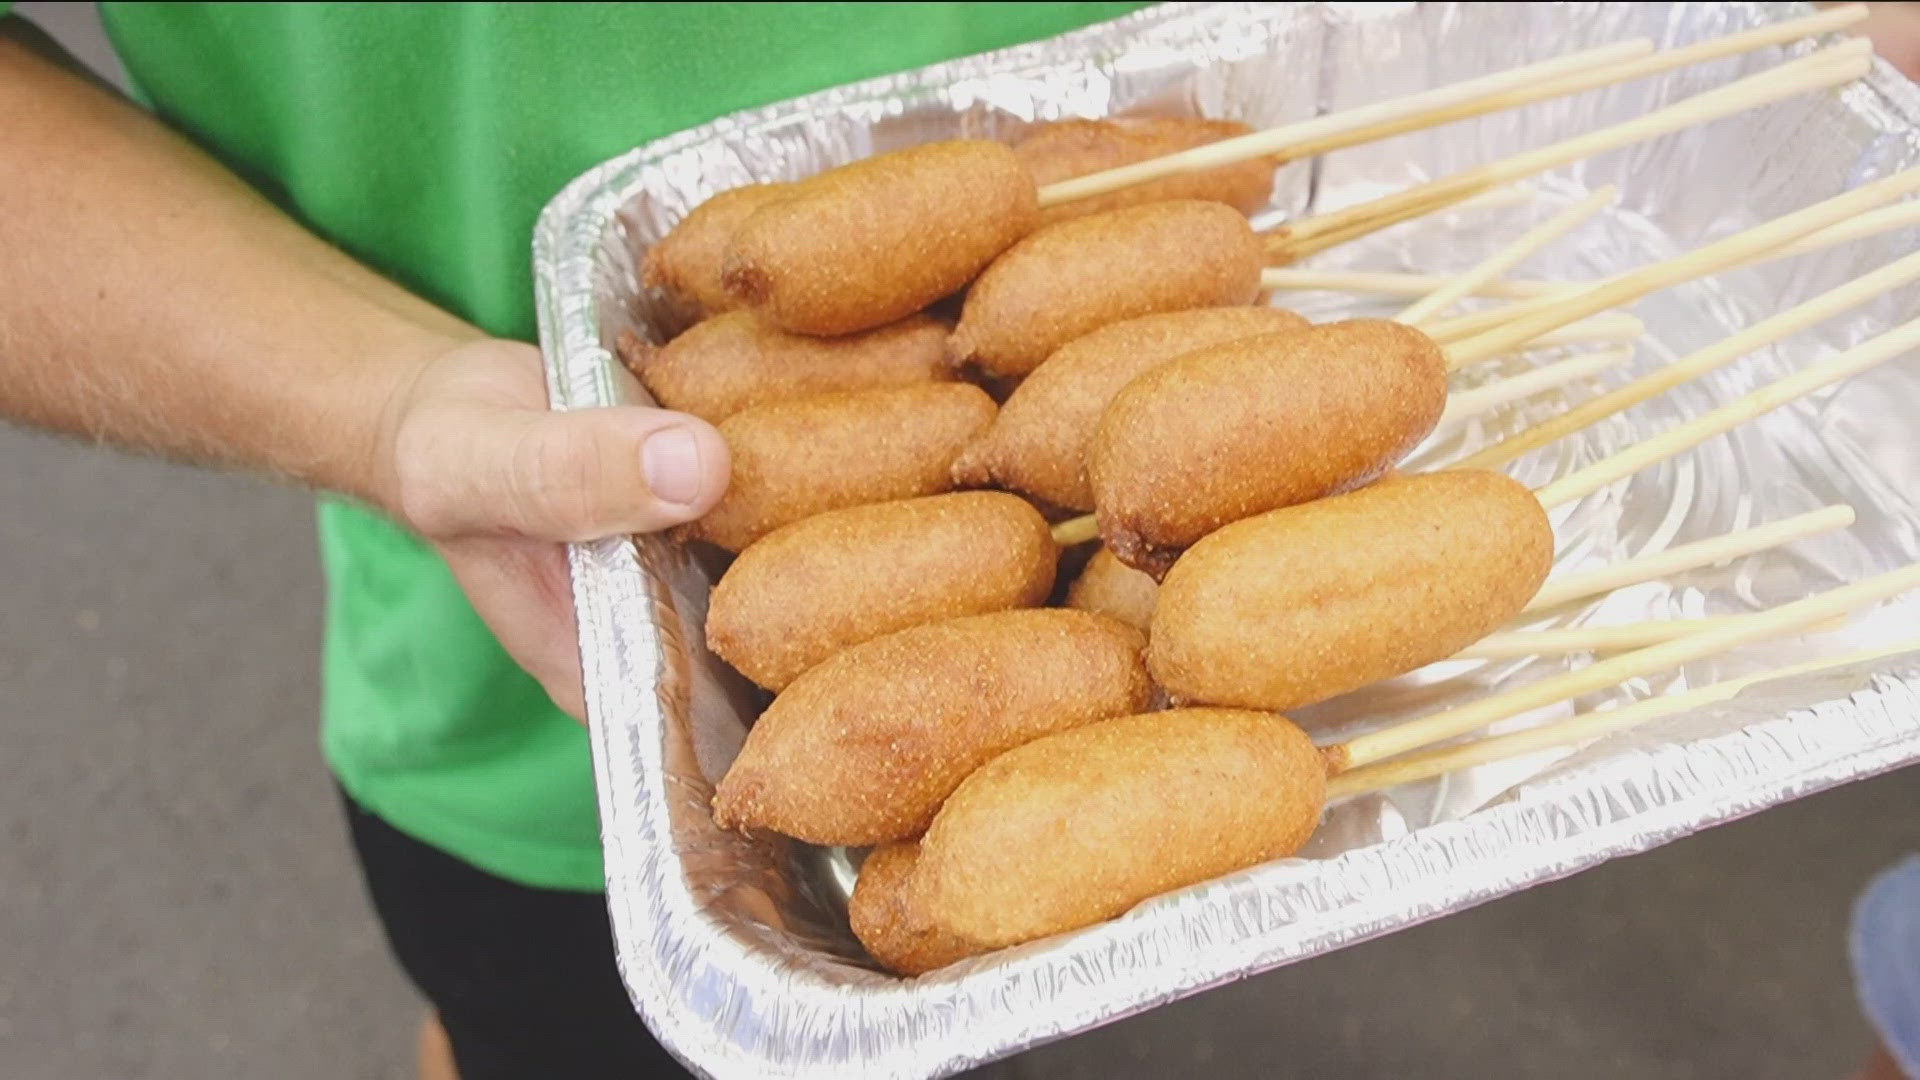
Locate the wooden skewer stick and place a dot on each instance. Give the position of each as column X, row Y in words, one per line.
column 1578, row 729
column 1711, row 104
column 1780, row 621
column 1722, row 548
column 1612, row 327
column 1760, row 334
column 1481, row 400
column 1595, row 77
column 1500, row 198
column 1462, row 327
column 1827, row 68
column 1395, row 284
column 1885, row 219
column 1566, row 588
column 1284, row 248
column 1077, row 530
column 1428, row 107
column 1697, row 263
column 1513, row 644
column 1782, row 391
column 1508, row 257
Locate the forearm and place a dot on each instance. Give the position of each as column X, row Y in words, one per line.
column 149, row 298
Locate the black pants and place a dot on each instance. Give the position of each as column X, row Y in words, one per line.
column 523, row 979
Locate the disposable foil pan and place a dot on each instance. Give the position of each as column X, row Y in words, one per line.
column 736, row 951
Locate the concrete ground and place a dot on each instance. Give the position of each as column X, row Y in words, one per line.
column 177, row 900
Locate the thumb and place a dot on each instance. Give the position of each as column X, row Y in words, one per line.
column 581, row 475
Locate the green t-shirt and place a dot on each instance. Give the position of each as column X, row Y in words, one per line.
column 423, row 139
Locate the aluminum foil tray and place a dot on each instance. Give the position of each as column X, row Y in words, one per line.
column 736, row 951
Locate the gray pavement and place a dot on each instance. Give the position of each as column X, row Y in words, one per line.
column 177, row 900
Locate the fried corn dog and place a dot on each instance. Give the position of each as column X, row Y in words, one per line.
column 874, row 241
column 736, row 361
column 686, row 263
column 793, row 459
column 1078, row 827
column 1325, row 410
column 1112, row 588
column 887, row 924
column 1076, row 276
column 863, row 748
column 807, row 590
column 1038, row 443
column 1359, row 587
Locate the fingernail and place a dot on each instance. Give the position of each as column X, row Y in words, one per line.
column 671, row 458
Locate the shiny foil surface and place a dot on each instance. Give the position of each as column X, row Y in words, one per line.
column 736, row 950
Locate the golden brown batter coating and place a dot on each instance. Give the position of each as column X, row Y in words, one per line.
column 1112, row 588
column 864, row 747
column 1078, row 827
column 796, row 458
column 686, row 262
column 812, row 588
column 895, row 932
column 1257, row 424
column 867, row 243
column 1074, row 277
column 1069, row 148
column 1038, row 444
column 1299, row 605
column 736, row 361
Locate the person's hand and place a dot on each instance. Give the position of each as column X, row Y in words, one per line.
column 1895, row 30
column 477, row 465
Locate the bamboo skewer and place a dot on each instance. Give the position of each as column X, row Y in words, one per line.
column 1577, row 729
column 1283, row 247
column 1467, row 404
column 1612, row 327
column 1780, row 621
column 1638, row 571
column 1508, row 257
column 1418, row 110
column 1076, row 530
column 1697, row 263
column 1500, row 198
column 1513, row 644
column 1351, row 126
column 1566, row 588
column 1327, row 229
column 1886, row 219
column 1791, row 388
column 1824, row 69
column 1395, row 284
column 1544, row 294
column 1598, row 76
column 1462, row 327
column 1759, row 335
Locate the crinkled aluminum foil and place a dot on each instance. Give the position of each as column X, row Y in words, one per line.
column 736, row 951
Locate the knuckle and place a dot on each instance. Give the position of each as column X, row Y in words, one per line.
column 561, row 473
